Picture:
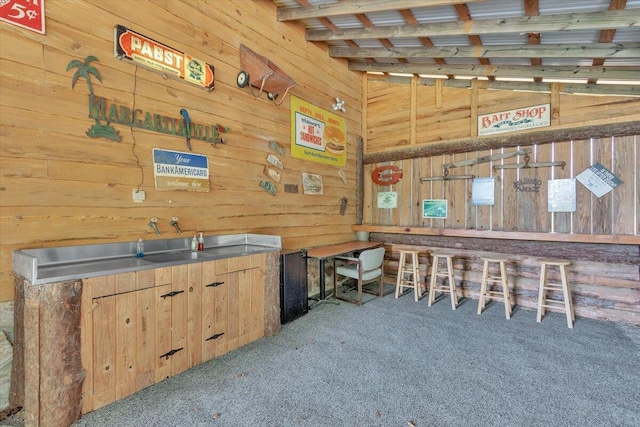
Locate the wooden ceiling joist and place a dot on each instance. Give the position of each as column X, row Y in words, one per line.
column 548, row 23
column 513, row 71
column 351, row 7
column 600, row 50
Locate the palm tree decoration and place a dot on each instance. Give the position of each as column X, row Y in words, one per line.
column 84, row 70
column 98, row 130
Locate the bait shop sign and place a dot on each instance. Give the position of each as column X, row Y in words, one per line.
column 514, row 120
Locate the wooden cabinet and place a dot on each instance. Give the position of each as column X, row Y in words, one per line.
column 140, row 328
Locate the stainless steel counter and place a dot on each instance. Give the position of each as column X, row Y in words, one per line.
column 60, row 264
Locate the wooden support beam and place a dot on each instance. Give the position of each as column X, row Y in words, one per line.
column 631, row 127
column 603, row 50
column 351, row 7
column 564, row 88
column 513, row 71
column 547, row 23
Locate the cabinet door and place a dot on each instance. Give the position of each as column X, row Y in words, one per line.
column 113, row 344
column 214, row 308
column 171, row 325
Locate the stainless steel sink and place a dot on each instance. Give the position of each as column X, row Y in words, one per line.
column 177, row 257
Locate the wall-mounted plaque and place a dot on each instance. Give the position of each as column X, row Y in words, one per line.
column 561, row 196
column 387, row 200
column 434, row 208
column 312, row 184
column 175, row 170
column 483, row 191
column 598, row 179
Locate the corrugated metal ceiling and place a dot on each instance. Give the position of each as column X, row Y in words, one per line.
column 419, row 25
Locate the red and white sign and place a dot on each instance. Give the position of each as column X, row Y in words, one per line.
column 513, row 120
column 27, row 14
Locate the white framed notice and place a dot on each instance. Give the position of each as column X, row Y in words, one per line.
column 387, row 200
column 483, row 191
column 561, row 195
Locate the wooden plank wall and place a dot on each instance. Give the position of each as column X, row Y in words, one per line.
column 604, row 287
column 59, row 187
column 614, row 213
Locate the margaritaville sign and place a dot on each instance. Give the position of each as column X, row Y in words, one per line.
column 102, row 110
column 513, row 120
column 145, row 51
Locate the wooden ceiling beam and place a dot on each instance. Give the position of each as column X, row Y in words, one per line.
column 563, row 88
column 504, row 141
column 512, row 71
column 606, row 35
column 352, row 7
column 539, row 24
column 596, row 50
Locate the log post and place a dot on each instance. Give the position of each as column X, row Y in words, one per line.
column 48, row 323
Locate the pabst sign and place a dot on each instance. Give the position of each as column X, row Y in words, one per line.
column 135, row 47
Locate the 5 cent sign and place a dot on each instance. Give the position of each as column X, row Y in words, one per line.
column 27, row 14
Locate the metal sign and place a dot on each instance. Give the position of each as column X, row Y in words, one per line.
column 152, row 54
column 174, row 170
column 386, row 175
column 513, row 120
column 27, row 14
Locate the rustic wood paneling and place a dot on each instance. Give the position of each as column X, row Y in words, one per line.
column 604, row 276
column 60, row 187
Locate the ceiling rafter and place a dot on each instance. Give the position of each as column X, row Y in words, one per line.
column 556, row 72
column 606, row 36
column 561, row 22
column 601, row 50
column 532, row 8
column 533, row 42
column 352, row 7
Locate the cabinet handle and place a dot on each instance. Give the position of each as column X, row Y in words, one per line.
column 171, row 353
column 214, row 284
column 171, row 294
column 215, row 336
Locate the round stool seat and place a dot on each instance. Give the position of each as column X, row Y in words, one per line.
column 495, row 259
column 442, row 254
column 555, row 261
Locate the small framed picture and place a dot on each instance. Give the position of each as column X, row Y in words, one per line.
column 434, row 208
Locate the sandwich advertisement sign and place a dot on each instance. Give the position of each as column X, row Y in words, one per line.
column 317, row 135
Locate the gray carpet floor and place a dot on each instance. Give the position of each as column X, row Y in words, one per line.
column 397, row 362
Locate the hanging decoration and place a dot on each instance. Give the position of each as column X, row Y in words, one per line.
column 102, row 110
column 386, row 175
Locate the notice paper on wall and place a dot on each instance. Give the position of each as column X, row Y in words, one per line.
column 561, row 196
column 482, row 191
column 598, row 179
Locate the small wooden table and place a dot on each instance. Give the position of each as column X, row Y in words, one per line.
column 330, row 251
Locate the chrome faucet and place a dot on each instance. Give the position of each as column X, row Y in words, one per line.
column 154, row 224
column 174, row 224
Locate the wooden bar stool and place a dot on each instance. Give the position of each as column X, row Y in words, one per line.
column 544, row 302
column 448, row 273
column 411, row 270
column 486, row 292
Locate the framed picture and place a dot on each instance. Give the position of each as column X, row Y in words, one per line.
column 434, row 208
column 387, row 200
